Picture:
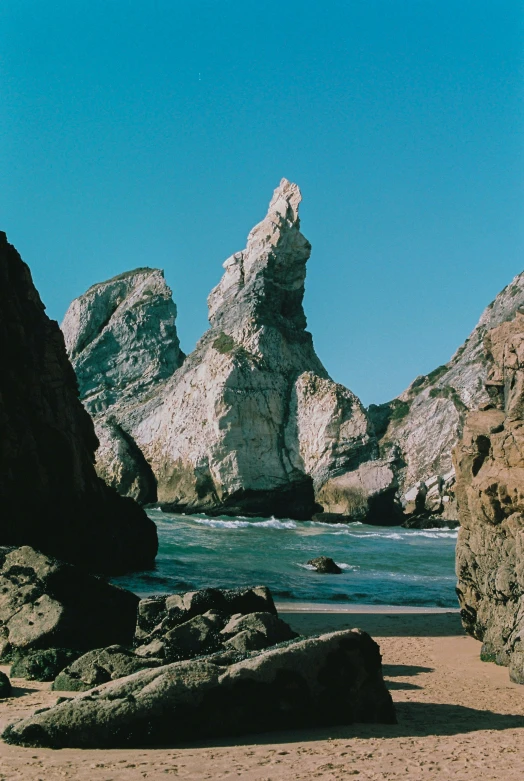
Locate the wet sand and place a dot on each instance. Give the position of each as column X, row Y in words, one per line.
column 458, row 718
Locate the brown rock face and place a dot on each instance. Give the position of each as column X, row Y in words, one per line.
column 489, row 462
column 50, row 495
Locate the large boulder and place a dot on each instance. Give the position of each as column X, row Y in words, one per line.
column 48, row 604
column 332, row 679
column 50, row 495
column 250, row 423
column 425, row 422
column 489, row 461
column 367, row 494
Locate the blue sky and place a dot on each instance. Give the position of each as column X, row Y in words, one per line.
column 137, row 133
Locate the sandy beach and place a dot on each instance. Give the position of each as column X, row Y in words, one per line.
column 458, row 718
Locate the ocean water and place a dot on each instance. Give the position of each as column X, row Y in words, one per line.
column 381, row 565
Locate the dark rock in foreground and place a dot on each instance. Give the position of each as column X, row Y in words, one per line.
column 159, row 617
column 50, row 495
column 5, row 686
column 46, row 603
column 178, row 627
column 332, row 679
column 325, row 565
column 42, row 665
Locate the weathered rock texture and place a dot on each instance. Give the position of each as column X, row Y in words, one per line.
column 331, row 679
column 425, row 422
column 122, row 340
column 489, row 461
column 176, row 627
column 48, row 604
column 100, row 666
column 50, row 495
column 250, row 423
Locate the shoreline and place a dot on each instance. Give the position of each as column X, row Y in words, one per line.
column 327, row 607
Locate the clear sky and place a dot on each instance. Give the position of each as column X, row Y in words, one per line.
column 153, row 132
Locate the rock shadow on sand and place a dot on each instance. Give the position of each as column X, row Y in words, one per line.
column 416, row 719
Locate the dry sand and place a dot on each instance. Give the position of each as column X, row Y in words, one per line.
column 458, row 719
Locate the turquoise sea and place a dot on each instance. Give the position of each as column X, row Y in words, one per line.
column 381, row 565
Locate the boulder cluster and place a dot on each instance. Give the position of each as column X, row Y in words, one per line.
column 174, row 667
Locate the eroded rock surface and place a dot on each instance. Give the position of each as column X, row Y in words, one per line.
column 225, row 623
column 179, row 626
column 250, row 423
column 332, row 679
column 50, row 495
column 48, row 604
column 489, row 461
column 426, row 421
column 100, row 666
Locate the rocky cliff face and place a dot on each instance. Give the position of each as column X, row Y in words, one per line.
column 50, row 495
column 489, row 461
column 122, row 340
column 250, row 423
column 425, row 421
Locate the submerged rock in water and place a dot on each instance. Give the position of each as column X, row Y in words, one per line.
column 332, row 679
column 489, row 460
column 325, row 565
column 46, row 603
column 428, row 521
column 250, row 423
column 50, row 495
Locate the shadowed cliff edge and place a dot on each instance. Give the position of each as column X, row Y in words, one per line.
column 50, row 495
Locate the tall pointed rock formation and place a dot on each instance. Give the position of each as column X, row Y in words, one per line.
column 250, row 423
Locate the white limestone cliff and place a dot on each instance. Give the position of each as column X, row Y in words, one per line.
column 250, row 423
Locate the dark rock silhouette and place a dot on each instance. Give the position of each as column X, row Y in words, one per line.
column 50, row 495
column 325, row 565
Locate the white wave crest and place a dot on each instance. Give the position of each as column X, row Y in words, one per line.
column 436, row 534
column 343, row 565
column 237, row 523
column 368, row 535
column 215, row 523
column 306, row 566
column 275, row 523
